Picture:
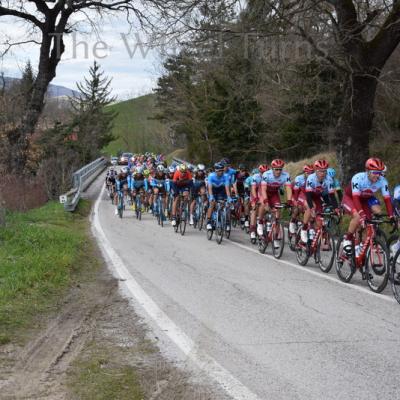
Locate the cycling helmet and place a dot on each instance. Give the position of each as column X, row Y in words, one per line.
column 262, row 168
column 190, row 167
column 218, row 166
column 255, row 171
column 171, row 169
column 201, row 167
column 225, row 161
column 308, row 169
column 332, row 172
column 277, row 164
column 242, row 167
column 160, row 168
column 139, row 170
column 374, row 164
column 321, row 165
column 183, row 168
column 146, row 173
column 124, row 170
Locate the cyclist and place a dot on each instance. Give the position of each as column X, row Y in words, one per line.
column 230, row 172
column 218, row 186
column 243, row 193
column 110, row 179
column 160, row 185
column 318, row 184
column 138, row 183
column 272, row 181
column 299, row 196
column 183, row 182
column 121, row 185
column 336, row 183
column 255, row 196
column 199, row 188
column 359, row 198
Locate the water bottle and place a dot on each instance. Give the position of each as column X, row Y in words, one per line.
column 358, row 249
column 311, row 234
column 269, row 226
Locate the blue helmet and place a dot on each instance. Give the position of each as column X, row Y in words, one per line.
column 218, row 166
column 331, row 172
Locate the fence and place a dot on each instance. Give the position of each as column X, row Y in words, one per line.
column 82, row 179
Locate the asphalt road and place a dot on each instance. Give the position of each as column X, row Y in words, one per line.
column 279, row 330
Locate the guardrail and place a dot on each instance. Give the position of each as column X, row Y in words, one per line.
column 82, row 179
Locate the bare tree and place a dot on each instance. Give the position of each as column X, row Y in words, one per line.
column 48, row 22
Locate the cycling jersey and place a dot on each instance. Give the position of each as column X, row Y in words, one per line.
column 216, row 181
column 240, row 179
column 183, row 179
column 121, row 182
column 256, row 179
column 138, row 181
column 362, row 186
column 396, row 193
column 160, row 182
column 314, row 185
column 299, row 183
column 273, row 183
column 231, row 174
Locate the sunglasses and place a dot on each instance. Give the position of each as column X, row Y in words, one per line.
column 323, row 171
column 277, row 169
column 379, row 173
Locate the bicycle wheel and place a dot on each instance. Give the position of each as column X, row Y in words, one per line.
column 262, row 244
column 302, row 252
column 120, row 206
column 219, row 231
column 278, row 240
column 138, row 208
column 325, row 255
column 227, row 222
column 345, row 264
column 184, row 217
column 377, row 265
column 395, row 276
column 202, row 216
column 161, row 215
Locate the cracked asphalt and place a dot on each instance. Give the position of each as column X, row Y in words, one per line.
column 283, row 333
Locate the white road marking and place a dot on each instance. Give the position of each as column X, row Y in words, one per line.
column 320, row 275
column 201, row 359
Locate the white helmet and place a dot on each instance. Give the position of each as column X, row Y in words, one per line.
column 124, row 170
column 160, row 168
column 139, row 170
column 171, row 169
column 201, row 167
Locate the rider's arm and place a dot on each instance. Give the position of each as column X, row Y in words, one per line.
column 387, row 198
column 309, row 193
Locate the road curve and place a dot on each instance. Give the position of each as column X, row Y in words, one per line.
column 267, row 329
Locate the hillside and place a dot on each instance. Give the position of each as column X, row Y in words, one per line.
column 135, row 129
column 52, row 91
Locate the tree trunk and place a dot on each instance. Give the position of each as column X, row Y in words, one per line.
column 354, row 126
column 19, row 138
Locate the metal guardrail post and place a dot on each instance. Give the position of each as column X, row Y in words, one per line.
column 81, row 180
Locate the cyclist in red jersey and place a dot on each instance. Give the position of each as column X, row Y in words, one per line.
column 183, row 182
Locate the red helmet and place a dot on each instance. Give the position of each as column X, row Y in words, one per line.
column 308, row 169
column 374, row 164
column 277, row 163
column 321, row 164
column 262, row 168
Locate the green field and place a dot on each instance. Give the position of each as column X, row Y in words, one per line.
column 136, row 130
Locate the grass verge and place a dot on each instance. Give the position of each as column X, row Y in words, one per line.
column 40, row 251
column 97, row 375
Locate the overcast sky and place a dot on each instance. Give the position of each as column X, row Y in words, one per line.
column 133, row 67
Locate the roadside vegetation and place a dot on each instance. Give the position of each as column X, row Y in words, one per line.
column 41, row 253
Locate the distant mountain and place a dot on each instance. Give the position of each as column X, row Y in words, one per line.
column 52, row 91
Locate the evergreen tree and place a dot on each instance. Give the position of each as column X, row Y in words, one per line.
column 92, row 121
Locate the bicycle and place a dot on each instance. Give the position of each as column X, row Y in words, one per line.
column 199, row 213
column 121, row 205
column 139, row 204
column 219, row 222
column 320, row 244
column 370, row 256
column 182, row 212
column 273, row 233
